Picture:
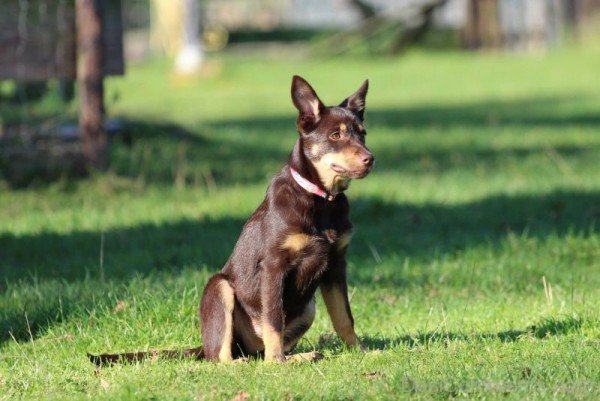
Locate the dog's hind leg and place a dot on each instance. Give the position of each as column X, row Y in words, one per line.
column 216, row 316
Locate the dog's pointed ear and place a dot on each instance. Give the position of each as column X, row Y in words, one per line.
column 307, row 102
column 356, row 102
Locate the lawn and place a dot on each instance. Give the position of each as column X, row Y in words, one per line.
column 474, row 270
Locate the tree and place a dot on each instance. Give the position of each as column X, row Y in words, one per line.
column 90, row 75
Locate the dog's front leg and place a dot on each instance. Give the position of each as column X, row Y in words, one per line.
column 335, row 296
column 334, row 289
column 272, row 311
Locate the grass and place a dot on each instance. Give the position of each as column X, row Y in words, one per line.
column 474, row 271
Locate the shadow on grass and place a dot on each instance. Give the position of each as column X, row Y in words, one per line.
column 251, row 150
column 406, row 230
column 422, row 232
column 529, row 113
column 545, row 328
column 158, row 153
column 539, row 111
column 170, row 154
column 436, row 229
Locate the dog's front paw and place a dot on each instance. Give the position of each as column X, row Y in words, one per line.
column 353, row 342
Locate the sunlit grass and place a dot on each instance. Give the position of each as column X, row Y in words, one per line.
column 487, row 186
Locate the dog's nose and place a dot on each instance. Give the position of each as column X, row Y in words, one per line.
column 368, row 160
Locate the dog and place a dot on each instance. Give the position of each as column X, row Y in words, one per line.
column 263, row 300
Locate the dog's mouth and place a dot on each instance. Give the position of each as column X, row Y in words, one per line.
column 338, row 169
column 347, row 173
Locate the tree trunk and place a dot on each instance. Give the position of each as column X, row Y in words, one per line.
column 482, row 29
column 471, row 37
column 91, row 86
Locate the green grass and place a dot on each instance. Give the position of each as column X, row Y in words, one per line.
column 487, row 185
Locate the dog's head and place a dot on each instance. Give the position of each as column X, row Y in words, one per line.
column 333, row 138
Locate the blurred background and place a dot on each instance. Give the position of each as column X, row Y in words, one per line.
column 187, row 44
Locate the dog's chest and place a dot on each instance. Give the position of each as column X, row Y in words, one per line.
column 322, row 242
column 327, row 227
column 312, row 247
column 315, row 251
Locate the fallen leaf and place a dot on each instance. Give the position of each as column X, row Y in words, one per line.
column 241, row 396
column 374, row 375
column 121, row 306
column 390, row 299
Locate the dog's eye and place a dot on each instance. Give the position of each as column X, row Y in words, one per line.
column 335, row 136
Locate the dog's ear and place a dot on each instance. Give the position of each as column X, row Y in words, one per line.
column 356, row 102
column 307, row 102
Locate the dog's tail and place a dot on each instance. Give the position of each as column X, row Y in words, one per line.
column 111, row 359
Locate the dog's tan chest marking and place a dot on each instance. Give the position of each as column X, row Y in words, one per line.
column 295, row 242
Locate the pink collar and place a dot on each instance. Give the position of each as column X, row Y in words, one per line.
column 309, row 186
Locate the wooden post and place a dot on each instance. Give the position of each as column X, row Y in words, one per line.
column 90, row 76
column 471, row 33
column 482, row 29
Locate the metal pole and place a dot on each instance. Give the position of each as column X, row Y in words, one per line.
column 189, row 58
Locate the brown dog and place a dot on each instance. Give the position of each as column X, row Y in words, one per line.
column 262, row 301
